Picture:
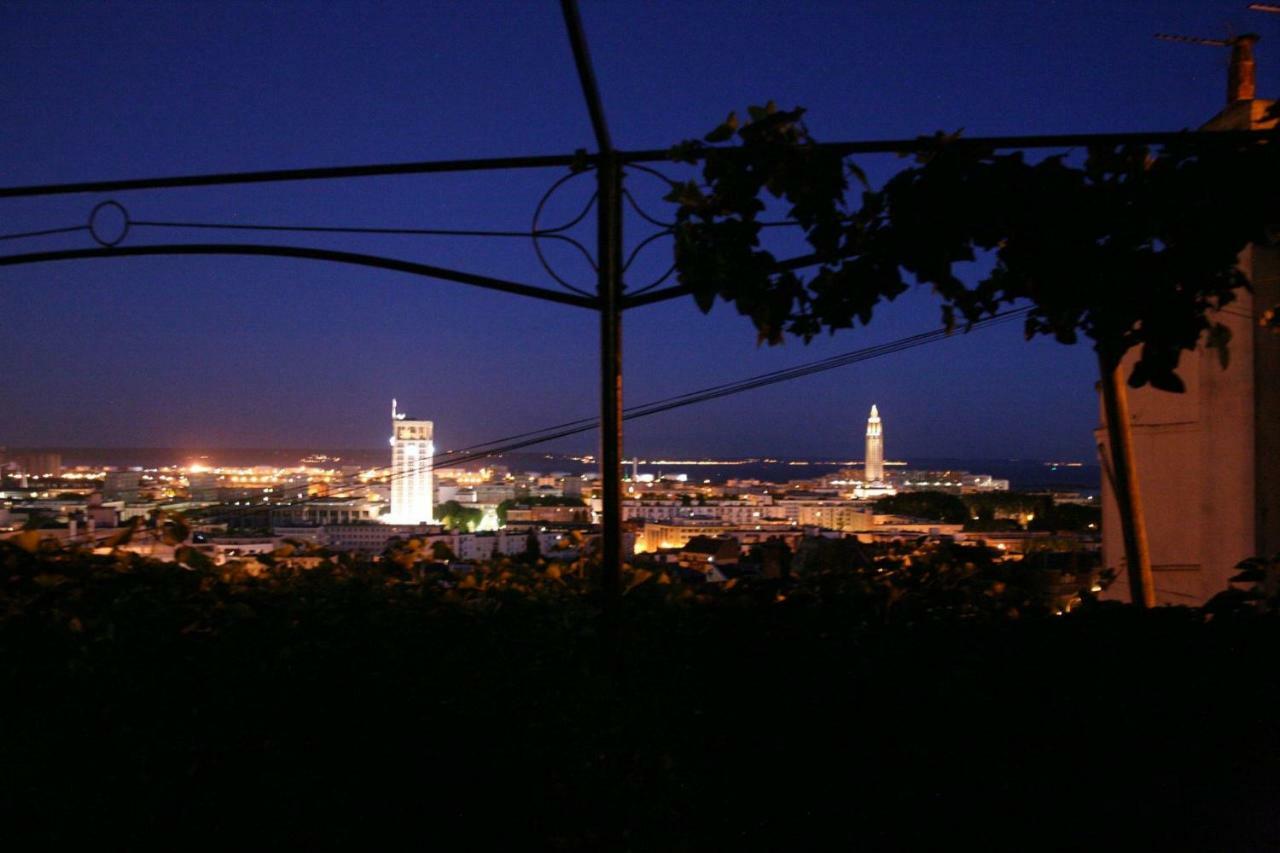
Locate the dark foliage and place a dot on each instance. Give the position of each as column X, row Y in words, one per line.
column 1070, row 517
column 1132, row 248
column 899, row 705
column 536, row 500
column 1001, row 511
column 455, row 516
column 933, row 506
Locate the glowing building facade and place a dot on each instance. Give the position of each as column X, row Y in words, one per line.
column 412, row 450
column 875, row 449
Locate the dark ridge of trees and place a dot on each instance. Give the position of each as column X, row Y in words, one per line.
column 991, row 511
column 457, row 516
column 539, row 500
column 932, row 506
column 903, row 704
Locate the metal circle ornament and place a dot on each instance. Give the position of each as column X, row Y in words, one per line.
column 559, row 233
column 101, row 224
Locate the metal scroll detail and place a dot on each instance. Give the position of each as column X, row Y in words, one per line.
column 538, row 233
column 109, row 223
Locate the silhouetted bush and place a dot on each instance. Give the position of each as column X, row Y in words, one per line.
column 150, row 704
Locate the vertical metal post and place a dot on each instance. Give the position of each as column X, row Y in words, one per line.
column 609, row 253
column 609, row 260
column 1124, row 473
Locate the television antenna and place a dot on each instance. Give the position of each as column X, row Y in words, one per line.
column 1241, row 72
column 1196, row 39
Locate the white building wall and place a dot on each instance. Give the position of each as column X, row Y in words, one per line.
column 412, row 452
column 1208, row 460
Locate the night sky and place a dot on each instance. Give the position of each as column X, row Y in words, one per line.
column 251, row 352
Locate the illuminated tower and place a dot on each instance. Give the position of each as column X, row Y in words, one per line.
column 411, row 455
column 875, row 448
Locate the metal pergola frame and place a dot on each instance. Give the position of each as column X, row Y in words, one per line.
column 610, row 299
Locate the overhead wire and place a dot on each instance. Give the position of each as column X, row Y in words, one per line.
column 45, row 232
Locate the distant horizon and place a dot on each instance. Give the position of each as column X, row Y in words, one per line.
column 897, row 459
column 1023, row 473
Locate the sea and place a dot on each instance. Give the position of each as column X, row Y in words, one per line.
column 1022, row 474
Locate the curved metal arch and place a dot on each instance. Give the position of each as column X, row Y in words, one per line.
column 306, row 253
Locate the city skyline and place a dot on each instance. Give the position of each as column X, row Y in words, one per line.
column 883, row 345
column 870, row 441
column 269, row 353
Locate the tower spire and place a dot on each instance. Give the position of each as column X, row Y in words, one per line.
column 874, row 462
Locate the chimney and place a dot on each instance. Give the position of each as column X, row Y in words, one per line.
column 1240, row 76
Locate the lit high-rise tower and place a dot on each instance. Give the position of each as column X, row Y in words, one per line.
column 875, row 448
column 411, row 457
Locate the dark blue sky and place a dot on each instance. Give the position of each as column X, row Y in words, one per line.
column 271, row 352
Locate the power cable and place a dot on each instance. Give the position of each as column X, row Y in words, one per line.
column 45, row 232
